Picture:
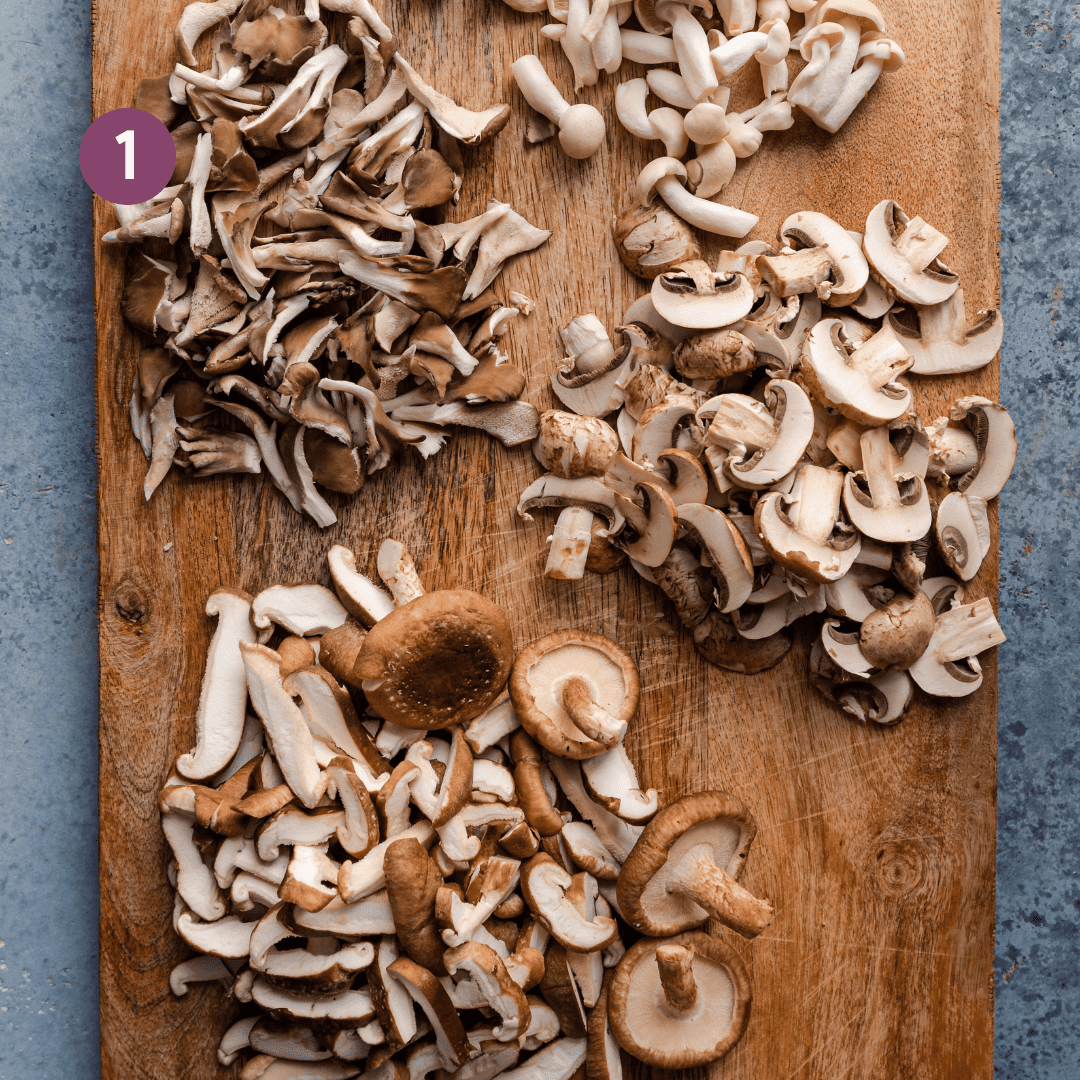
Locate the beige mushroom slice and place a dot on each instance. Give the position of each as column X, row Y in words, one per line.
column 303, row 610
column 491, row 781
column 805, row 531
column 235, row 1039
column 861, row 384
column 240, row 853
column 248, row 890
column 587, row 968
column 611, row 780
column 600, row 391
column 426, row 990
column 219, row 721
column 361, row 919
column 661, row 426
column 198, row 969
column 327, row 972
column 765, row 440
column 679, row 1003
column 683, row 868
column 962, row 532
column 896, row 635
column 291, row 826
column 729, row 558
column 393, row 1005
column 359, row 879
column 351, row 1007
column 532, row 794
column 544, row 884
column 949, row 667
column 881, row 501
column 826, row 261
column 458, row 839
column 665, row 176
column 995, row 443
column 650, row 528
column 852, row 596
column 558, row 1060
column 286, row 730
column 903, row 256
column 483, row 966
column 439, row 799
column 944, row 344
column 292, row 1042
column 572, row 678
column 195, row 883
column 412, row 882
column 842, row 645
column 618, row 836
column 305, row 881
column 492, row 726
column 588, row 851
column 398, row 571
column 488, row 889
column 227, row 938
column 699, row 298
column 439, row 660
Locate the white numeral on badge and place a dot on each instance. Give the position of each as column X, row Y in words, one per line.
column 128, row 139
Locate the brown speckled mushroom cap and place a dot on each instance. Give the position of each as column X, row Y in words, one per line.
column 648, row 1026
column 540, row 673
column 438, row 660
column 683, row 867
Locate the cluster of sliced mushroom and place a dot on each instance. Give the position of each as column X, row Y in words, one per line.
column 753, row 446
column 843, row 42
column 306, row 173
column 403, row 850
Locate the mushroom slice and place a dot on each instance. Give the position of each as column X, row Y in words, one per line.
column 493, row 884
column 490, row 727
column 292, row 826
column 682, row 870
column 903, row 256
column 805, row 532
column 219, row 721
column 944, row 344
column 881, row 501
column 393, row 1005
column 412, row 881
column 351, row 1007
column 241, row 853
column 287, row 731
column 652, row 240
column 439, row 660
column 511, row 422
column 861, row 384
column 359, row 879
column 426, row 990
column 291, row 1042
column 398, row 571
column 995, row 443
column 304, row 970
column 350, row 922
column 304, row 885
column 610, row 779
column 360, row 595
column 603, row 686
column 485, row 968
column 765, row 441
column 544, row 884
column 818, row 240
column 360, row 831
column 199, row 969
column 457, row 843
column 842, row 645
column 849, row 596
column 618, row 836
column 586, row 491
column 228, row 937
column 882, row 699
column 659, row 426
column 195, row 883
column 532, row 795
column 301, row 609
column 727, row 552
column 469, row 127
column 587, row 968
column 650, row 529
column 949, row 667
column 679, row 1003
column 962, row 531
column 235, row 1039
column 558, row 1060
column 699, row 298
column 588, row 851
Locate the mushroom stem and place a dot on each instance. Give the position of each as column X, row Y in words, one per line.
column 697, row 877
column 592, row 719
column 819, row 501
column 398, row 571
column 920, row 243
column 570, row 540
column 676, row 964
column 882, row 358
column 879, row 465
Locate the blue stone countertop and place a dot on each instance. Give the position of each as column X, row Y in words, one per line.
column 48, row 693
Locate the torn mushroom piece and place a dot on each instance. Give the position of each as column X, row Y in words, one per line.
column 683, row 867
column 679, row 1003
column 574, row 692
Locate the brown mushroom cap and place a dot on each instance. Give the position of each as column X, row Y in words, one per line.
column 896, row 635
column 542, row 670
column 688, row 856
column 412, row 881
column 438, row 660
column 648, row 1026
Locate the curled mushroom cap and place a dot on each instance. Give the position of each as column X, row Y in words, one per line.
column 439, row 660
column 683, row 867
column 681, row 1002
column 572, row 677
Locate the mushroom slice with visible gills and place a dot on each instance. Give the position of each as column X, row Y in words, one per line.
column 995, row 443
column 682, row 870
column 805, row 532
column 848, row 269
column 679, row 1003
column 650, row 528
column 948, row 667
column 694, row 296
column 426, row 990
column 602, row 680
column 545, row 885
column 881, row 501
column 944, row 343
column 962, row 531
column 903, row 256
column 360, row 595
column 352, row 1007
column 658, row 427
column 728, row 554
column 842, row 645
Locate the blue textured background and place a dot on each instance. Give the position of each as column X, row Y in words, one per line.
column 48, row 691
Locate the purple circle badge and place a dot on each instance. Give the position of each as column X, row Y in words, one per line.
column 127, row 156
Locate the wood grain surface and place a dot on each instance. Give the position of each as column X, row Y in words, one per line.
column 876, row 846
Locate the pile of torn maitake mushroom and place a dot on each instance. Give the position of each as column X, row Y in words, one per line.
column 767, row 460
column 843, row 42
column 423, row 838
column 355, row 157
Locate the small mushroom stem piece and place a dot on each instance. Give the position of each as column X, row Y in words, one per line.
column 697, row 877
column 920, row 243
column 593, row 720
column 881, row 359
column 570, row 540
column 676, row 964
column 397, row 569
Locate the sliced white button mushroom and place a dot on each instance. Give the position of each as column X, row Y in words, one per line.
column 903, row 256
column 995, row 443
column 962, row 531
column 944, row 344
column 882, row 501
column 949, row 667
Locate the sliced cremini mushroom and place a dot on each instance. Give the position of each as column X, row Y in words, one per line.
column 881, row 501
column 571, row 687
column 949, row 667
column 650, row 524
column 962, row 532
column 944, row 344
column 439, row 660
column 679, row 1003
column 903, row 256
column 726, row 551
column 683, row 868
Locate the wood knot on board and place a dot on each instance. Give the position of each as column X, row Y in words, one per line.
column 900, row 867
column 131, row 603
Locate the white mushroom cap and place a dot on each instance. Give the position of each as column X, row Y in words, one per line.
column 581, row 127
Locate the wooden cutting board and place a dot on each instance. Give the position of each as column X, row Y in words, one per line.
column 876, row 846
